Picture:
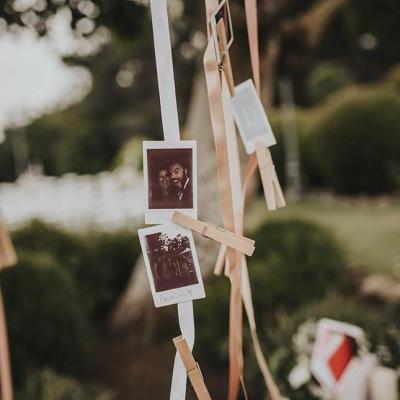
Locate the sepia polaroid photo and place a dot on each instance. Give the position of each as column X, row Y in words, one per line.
column 171, row 263
column 170, row 179
column 250, row 117
column 222, row 12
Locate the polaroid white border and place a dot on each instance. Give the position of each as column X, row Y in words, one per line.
column 213, row 22
column 266, row 138
column 179, row 295
column 161, row 216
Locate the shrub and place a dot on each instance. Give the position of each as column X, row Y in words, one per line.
column 7, row 169
column 355, row 143
column 279, row 152
column 325, row 79
column 47, row 326
column 393, row 78
column 100, row 263
column 212, row 318
column 48, row 385
column 295, row 263
column 105, row 272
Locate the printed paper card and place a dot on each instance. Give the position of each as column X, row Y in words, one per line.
column 250, row 117
column 170, row 179
column 171, row 263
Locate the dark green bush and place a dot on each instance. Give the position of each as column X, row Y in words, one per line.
column 100, row 263
column 63, row 282
column 295, row 263
column 46, row 324
column 326, row 78
column 393, row 78
column 355, row 143
column 105, row 273
column 48, row 385
column 7, row 169
column 279, row 152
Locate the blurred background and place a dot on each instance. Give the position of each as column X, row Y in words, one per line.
column 78, row 94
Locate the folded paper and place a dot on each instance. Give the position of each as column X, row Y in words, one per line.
column 230, row 239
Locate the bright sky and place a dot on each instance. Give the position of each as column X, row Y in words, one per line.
column 33, row 78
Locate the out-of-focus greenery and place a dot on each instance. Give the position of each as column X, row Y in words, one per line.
column 326, row 78
column 393, row 78
column 46, row 322
column 350, row 143
column 100, row 263
column 295, row 263
column 87, row 137
column 301, row 121
column 48, row 385
column 381, row 325
column 355, row 143
column 350, row 219
column 63, row 284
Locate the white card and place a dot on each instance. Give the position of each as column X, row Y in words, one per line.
column 170, row 179
column 250, row 117
column 171, row 263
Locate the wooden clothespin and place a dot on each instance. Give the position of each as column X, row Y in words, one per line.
column 230, row 239
column 272, row 188
column 193, row 370
column 225, row 65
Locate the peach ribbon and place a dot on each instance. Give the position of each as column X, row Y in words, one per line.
column 229, row 185
column 252, row 31
column 214, row 88
column 242, row 281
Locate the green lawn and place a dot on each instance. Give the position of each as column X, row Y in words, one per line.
column 369, row 229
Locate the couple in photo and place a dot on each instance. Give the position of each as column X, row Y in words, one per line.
column 172, row 188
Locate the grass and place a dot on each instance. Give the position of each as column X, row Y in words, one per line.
column 368, row 229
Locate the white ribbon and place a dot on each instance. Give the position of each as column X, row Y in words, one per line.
column 179, row 375
column 165, row 70
column 170, row 121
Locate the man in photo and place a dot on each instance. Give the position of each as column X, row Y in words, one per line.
column 181, row 185
column 170, row 178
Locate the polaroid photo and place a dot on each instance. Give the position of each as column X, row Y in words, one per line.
column 171, row 264
column 222, row 12
column 250, row 117
column 170, row 179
